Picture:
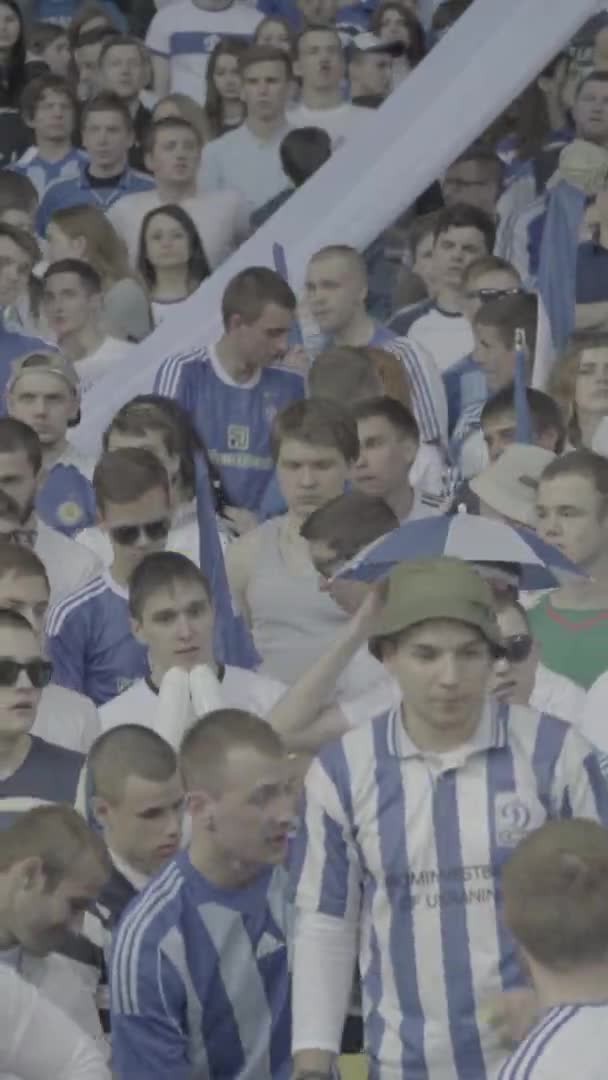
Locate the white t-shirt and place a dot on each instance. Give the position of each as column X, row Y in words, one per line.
column 67, row 719
column 447, row 337
column 186, row 34
column 568, row 1041
column 240, row 161
column 339, row 121
column 559, row 696
column 221, row 219
column 594, row 716
column 72, row 456
column 38, row 1040
column 240, row 689
column 162, row 308
column 68, row 564
column 93, row 367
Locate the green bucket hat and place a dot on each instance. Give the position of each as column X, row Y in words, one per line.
column 444, row 588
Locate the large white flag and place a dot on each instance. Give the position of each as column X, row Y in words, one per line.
column 494, row 50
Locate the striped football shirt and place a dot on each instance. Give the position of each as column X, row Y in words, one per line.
column 408, row 847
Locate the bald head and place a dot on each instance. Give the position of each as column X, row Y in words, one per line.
column 336, row 288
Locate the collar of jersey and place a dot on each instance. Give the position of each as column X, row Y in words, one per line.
column 223, row 375
column 221, row 671
column 490, row 734
column 113, row 586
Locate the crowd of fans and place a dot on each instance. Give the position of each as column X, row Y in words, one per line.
column 261, row 821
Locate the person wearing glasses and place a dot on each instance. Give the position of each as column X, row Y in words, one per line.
column 488, row 278
column 89, row 634
column 519, row 676
column 462, row 235
column 33, row 771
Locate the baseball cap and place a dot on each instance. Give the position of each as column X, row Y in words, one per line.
column 54, row 363
column 509, row 485
column 443, row 588
column 369, row 43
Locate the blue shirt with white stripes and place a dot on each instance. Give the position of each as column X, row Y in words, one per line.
column 90, row 643
column 233, row 419
column 79, row 191
column 43, row 173
column 570, row 1042
column 407, row 847
column 199, row 980
column 428, row 395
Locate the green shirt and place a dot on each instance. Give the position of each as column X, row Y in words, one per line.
column 572, row 643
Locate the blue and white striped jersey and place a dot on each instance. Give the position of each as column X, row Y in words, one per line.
column 409, row 847
column 233, row 419
column 428, row 393
column 90, row 643
column 199, row 980
column 570, row 1041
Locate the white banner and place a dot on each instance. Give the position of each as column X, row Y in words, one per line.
column 494, row 50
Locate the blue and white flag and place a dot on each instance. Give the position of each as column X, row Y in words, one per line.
column 557, row 277
column 232, row 642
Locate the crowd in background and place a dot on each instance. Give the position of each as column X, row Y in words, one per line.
column 204, row 727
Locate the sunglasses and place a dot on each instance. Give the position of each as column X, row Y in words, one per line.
column 517, row 648
column 39, row 672
column 127, row 535
column 494, row 294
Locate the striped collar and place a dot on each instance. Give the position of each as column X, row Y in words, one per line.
column 491, row 734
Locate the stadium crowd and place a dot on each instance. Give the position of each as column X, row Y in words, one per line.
column 304, row 677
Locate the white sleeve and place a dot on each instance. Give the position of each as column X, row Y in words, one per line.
column 594, row 720
column 38, row 1041
column 325, row 951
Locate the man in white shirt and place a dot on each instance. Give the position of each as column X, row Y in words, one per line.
column 182, row 35
column 248, row 159
column 53, row 865
column 555, row 888
column 407, row 823
column 388, row 446
column 72, row 301
column 173, row 155
column 320, row 65
column 63, row 717
column 67, row 564
column 462, row 235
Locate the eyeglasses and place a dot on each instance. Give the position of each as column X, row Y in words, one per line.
column 39, row 672
column 127, row 535
column 493, row 294
column 517, row 648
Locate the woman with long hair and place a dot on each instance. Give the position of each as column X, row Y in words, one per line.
column 13, row 74
column 392, row 22
column 276, row 32
column 224, row 109
column 579, row 384
column 84, row 232
column 171, row 258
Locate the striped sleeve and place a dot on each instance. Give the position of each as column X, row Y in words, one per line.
column 326, row 872
column 147, row 994
column 580, row 788
column 428, row 391
column 170, row 377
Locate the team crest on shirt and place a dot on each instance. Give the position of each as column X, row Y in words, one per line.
column 69, row 513
column 238, row 437
column 512, row 817
column 270, row 408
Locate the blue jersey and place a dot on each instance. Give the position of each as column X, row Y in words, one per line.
column 233, row 421
column 90, row 643
column 66, row 500
column 43, row 173
column 199, row 980
column 591, row 274
column 80, row 192
column 48, row 774
column 407, row 849
column 62, row 12
column 465, row 384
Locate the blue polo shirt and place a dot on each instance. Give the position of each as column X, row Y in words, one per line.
column 80, row 192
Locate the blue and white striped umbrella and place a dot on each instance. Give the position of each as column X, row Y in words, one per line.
column 465, row 536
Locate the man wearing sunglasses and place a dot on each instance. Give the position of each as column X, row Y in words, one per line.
column 33, row 771
column 89, row 634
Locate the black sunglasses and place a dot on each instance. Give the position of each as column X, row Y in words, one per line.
column 494, row 294
column 39, row 672
column 517, row 648
column 127, row 535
